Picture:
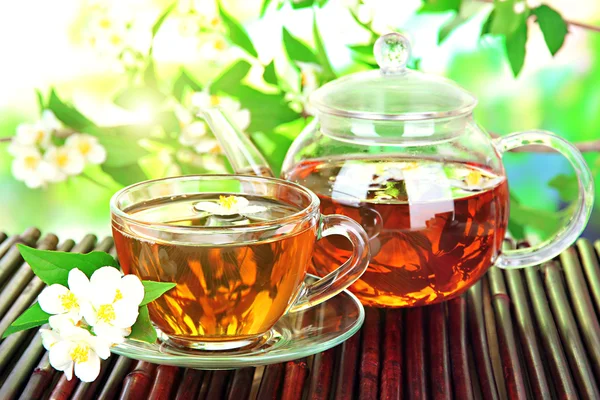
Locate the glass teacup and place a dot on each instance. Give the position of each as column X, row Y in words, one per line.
column 238, row 248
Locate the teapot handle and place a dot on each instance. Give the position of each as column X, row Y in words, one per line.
column 552, row 247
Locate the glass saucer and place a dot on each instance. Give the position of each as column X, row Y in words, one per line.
column 296, row 335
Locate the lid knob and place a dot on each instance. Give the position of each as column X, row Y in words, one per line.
column 392, row 51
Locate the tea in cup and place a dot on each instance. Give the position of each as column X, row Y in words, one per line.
column 238, row 248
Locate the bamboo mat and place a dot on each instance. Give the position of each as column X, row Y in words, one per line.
column 518, row 334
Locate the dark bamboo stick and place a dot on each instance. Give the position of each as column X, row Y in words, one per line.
column 369, row 361
column 218, row 385
column 293, row 382
column 241, row 384
column 7, row 244
column 582, row 306
column 21, row 278
column 415, row 360
column 320, row 383
column 591, row 268
column 16, row 378
column 391, row 370
column 492, row 338
column 562, row 379
column 479, row 341
column 346, row 377
column 270, row 383
column 164, row 382
column 64, row 388
column 138, row 382
column 41, row 378
column 527, row 335
column 439, row 359
column 12, row 259
column 205, row 385
column 513, row 373
column 190, row 385
column 567, row 327
column 115, row 379
column 461, row 375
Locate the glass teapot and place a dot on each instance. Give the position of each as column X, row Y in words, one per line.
column 398, row 151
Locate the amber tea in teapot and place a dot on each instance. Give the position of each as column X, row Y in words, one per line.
column 425, row 247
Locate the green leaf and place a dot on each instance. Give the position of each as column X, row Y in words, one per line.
column 322, row 3
column 567, row 187
column 365, row 26
column 153, row 290
column 132, row 98
column 143, row 330
column 486, row 28
column 67, row 114
column 328, row 71
column 297, row 4
column 264, row 7
column 40, row 100
column 553, row 26
column 363, row 53
column 150, row 78
column 121, row 151
column 506, row 20
column 449, row 27
column 230, row 79
column 125, row 175
column 270, row 76
column 161, row 19
column 273, row 146
column 515, row 47
column 298, row 50
column 541, row 221
column 440, row 5
column 32, row 317
column 54, row 266
column 184, row 81
column 236, row 33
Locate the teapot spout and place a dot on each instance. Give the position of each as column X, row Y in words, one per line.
column 241, row 153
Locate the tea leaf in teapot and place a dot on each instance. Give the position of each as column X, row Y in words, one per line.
column 298, row 50
column 515, row 47
column 236, row 33
column 553, row 26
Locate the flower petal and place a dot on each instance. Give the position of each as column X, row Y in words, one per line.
column 50, row 301
column 100, row 346
column 88, row 312
column 63, row 322
column 49, row 338
column 208, row 206
column 89, row 370
column 131, row 289
column 97, row 155
column 79, row 284
column 60, row 357
column 111, row 334
column 69, row 372
column 105, row 282
column 126, row 314
column 253, row 210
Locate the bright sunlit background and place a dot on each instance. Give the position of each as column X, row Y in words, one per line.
column 47, row 44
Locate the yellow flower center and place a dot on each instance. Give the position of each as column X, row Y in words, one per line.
column 31, row 162
column 116, row 40
column 473, row 178
column 118, row 296
column 304, row 78
column 62, row 160
column 214, row 100
column 105, row 23
column 216, row 149
column 80, row 353
column 215, row 22
column 227, row 202
column 39, row 136
column 106, row 313
column 220, row 44
column 84, row 147
column 69, row 301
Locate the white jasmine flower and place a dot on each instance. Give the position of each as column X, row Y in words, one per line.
column 240, row 117
column 59, row 300
column 192, row 131
column 37, row 134
column 113, row 303
column 208, row 146
column 214, row 47
column 229, row 205
column 67, row 160
column 88, row 147
column 29, row 167
column 74, row 348
column 309, row 82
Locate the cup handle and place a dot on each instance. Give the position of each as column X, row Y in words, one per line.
column 550, row 248
column 347, row 273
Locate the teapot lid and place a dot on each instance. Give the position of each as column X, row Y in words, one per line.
column 393, row 92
